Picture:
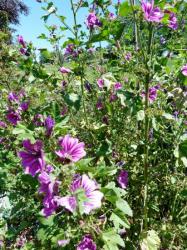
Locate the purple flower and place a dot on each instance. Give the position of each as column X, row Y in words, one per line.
column 2, row 124
column 49, row 169
column 152, row 94
column 88, row 86
column 64, row 83
column 24, row 106
column 64, row 70
column 70, row 50
column 87, row 244
column 162, row 40
column 113, row 97
column 123, row 179
column 128, row 56
column 92, row 21
column 63, row 243
column 21, row 41
column 13, row 116
column 72, row 150
column 23, row 51
column 64, row 110
column 117, row 86
column 105, row 119
column 100, row 83
column 49, row 124
column 184, row 70
column 151, row 14
column 38, row 120
column 173, row 24
column 50, row 190
column 91, row 50
column 99, row 104
column 112, row 16
column 12, row 97
column 21, row 241
column 33, row 157
column 89, row 188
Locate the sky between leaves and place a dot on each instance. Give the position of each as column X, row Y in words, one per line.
column 32, row 26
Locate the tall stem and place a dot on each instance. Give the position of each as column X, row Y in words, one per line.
column 80, row 64
column 146, row 135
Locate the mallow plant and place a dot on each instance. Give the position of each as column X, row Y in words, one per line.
column 93, row 134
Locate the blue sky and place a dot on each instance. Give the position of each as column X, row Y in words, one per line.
column 32, row 26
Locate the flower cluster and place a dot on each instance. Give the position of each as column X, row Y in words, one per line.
column 17, row 106
column 92, row 21
column 70, row 50
column 23, row 49
column 72, row 150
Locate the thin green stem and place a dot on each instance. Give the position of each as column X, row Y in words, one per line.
column 146, row 135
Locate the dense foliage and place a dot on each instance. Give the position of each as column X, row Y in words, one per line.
column 93, row 141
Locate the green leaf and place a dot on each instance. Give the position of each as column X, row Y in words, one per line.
column 151, row 241
column 125, row 9
column 140, row 115
column 119, row 219
column 112, row 239
column 168, row 116
column 183, row 148
column 73, row 100
column 123, row 206
column 49, row 221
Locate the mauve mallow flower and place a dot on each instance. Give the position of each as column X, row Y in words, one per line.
column 63, row 243
column 117, row 86
column 2, row 124
column 49, row 124
column 100, row 83
column 151, row 14
column 173, row 24
column 122, row 179
column 64, row 70
column 184, row 70
column 64, row 111
column 87, row 244
column 13, row 97
column 71, row 149
column 21, row 241
column 50, row 190
column 92, row 21
column 88, row 86
column 113, row 97
column 152, row 94
column 21, row 41
column 92, row 194
column 112, row 16
column 24, row 106
column 23, row 51
column 38, row 120
column 13, row 116
column 91, row 50
column 128, row 56
column 33, row 157
column 99, row 104
column 70, row 50
column 162, row 40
